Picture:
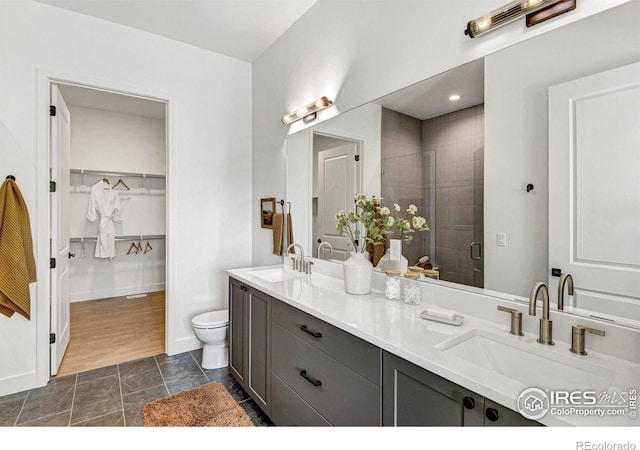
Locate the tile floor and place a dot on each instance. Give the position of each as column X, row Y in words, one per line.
column 113, row 396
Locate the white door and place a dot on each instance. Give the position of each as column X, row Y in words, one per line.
column 594, row 189
column 60, row 250
column 337, row 179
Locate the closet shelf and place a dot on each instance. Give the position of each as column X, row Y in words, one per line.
column 134, row 237
column 116, row 174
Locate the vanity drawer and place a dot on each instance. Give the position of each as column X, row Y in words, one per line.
column 360, row 356
column 288, row 409
column 339, row 394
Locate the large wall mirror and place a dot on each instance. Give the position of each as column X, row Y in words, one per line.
column 478, row 167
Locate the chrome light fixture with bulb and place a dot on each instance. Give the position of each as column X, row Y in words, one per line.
column 307, row 113
column 504, row 15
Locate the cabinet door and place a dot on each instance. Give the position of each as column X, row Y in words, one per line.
column 496, row 415
column 259, row 349
column 237, row 330
column 412, row 396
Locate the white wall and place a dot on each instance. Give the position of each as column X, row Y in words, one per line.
column 209, row 163
column 516, row 136
column 107, row 140
column 366, row 50
column 119, row 142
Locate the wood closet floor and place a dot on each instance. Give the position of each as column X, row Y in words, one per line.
column 114, row 330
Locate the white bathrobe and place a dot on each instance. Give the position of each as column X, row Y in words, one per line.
column 105, row 202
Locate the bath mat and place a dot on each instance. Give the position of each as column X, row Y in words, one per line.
column 209, row 405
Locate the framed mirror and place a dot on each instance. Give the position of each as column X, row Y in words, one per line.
column 509, row 220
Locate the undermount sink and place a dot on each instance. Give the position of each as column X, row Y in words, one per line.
column 276, row 274
column 528, row 362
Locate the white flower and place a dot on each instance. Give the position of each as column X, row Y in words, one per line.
column 418, row 221
column 396, row 207
column 412, row 209
column 339, row 214
column 390, row 221
column 385, row 211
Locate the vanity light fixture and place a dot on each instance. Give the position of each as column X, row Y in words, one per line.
column 505, row 14
column 307, row 113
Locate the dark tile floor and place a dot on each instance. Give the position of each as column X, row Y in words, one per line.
column 113, row 396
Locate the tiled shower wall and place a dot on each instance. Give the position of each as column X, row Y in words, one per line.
column 401, row 155
column 457, row 139
column 438, row 164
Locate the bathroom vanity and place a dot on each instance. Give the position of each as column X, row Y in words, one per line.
column 309, row 354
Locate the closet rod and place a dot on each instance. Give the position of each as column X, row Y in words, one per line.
column 136, row 237
column 116, row 174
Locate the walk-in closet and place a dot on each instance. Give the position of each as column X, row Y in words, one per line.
column 115, row 206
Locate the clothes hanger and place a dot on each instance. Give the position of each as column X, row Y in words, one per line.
column 122, row 183
column 106, row 180
column 148, row 248
column 135, row 247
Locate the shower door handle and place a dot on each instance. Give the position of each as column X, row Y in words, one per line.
column 474, row 244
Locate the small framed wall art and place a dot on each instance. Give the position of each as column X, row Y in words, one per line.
column 267, row 208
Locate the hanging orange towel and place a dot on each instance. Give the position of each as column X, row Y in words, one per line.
column 278, row 233
column 17, row 264
column 290, row 232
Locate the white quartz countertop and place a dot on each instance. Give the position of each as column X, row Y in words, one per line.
column 398, row 328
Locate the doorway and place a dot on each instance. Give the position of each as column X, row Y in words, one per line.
column 336, row 180
column 108, row 227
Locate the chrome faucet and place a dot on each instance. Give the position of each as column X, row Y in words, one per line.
column 568, row 280
column 322, row 244
column 299, row 265
column 545, row 324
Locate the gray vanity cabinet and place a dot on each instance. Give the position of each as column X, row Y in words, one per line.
column 250, row 341
column 413, row 396
column 321, row 374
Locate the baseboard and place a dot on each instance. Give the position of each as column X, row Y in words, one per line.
column 18, row 383
column 115, row 292
column 186, row 344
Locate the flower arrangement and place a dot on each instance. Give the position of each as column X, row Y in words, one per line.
column 410, row 223
column 376, row 222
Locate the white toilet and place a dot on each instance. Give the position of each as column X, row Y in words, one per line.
column 212, row 329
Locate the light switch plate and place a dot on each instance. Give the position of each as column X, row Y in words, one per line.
column 395, row 249
column 501, row 239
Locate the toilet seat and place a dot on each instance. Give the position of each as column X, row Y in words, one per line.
column 212, row 319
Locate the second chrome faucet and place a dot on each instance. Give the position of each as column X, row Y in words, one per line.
column 546, row 335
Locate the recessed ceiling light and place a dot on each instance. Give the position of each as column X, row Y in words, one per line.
column 454, row 97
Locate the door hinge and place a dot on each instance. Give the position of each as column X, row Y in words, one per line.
column 52, row 186
column 52, row 263
column 52, row 338
column 357, row 158
column 52, row 111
